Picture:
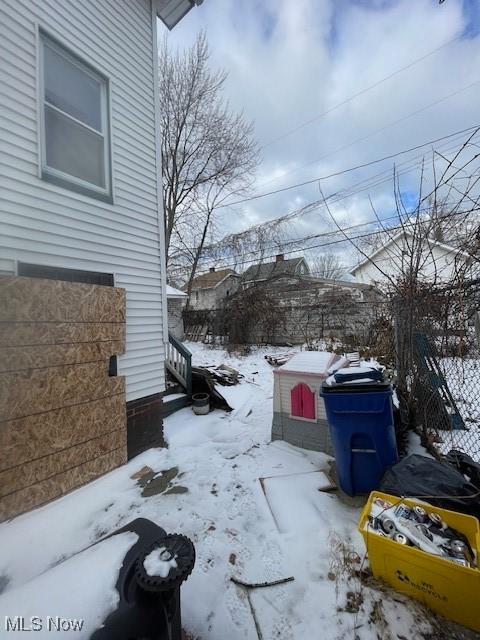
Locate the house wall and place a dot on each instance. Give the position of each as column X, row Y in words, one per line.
column 213, row 297
column 437, row 264
column 226, row 288
column 45, row 224
column 62, row 417
column 202, row 299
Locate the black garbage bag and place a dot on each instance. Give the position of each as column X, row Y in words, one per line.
column 436, row 482
column 465, row 464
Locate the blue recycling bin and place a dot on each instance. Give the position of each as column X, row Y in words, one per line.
column 360, row 416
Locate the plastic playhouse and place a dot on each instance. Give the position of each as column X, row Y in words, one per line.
column 298, row 410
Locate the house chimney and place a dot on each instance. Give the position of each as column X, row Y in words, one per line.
column 212, row 269
column 280, row 257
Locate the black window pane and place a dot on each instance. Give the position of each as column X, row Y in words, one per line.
column 67, row 275
column 71, row 89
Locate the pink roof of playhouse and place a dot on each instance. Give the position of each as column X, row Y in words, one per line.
column 311, row 362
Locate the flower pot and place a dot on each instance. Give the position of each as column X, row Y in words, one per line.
column 201, row 403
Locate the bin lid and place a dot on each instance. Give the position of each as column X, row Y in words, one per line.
column 355, row 387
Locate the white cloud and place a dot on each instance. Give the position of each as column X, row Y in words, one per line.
column 290, row 61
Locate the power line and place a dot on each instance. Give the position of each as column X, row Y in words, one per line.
column 343, row 171
column 296, row 241
column 341, row 240
column 373, row 133
column 356, row 95
column 334, row 232
column 333, row 199
column 304, row 209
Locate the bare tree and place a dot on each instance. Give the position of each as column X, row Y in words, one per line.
column 208, row 153
column 426, row 291
column 252, row 316
column 327, row 265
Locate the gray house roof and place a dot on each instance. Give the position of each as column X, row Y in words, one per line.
column 268, row 270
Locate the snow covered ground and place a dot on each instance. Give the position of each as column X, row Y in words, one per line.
column 243, row 527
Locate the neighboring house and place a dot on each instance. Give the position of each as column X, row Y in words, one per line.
column 267, row 270
column 176, row 300
column 437, row 264
column 209, row 290
column 81, row 202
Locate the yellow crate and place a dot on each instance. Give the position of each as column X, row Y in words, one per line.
column 449, row 589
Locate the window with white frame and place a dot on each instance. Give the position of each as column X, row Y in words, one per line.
column 75, row 145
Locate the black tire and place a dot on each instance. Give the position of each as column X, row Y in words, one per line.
column 182, row 549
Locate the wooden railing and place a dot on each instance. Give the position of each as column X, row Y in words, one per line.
column 178, row 360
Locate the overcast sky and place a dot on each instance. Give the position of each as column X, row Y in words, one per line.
column 289, row 61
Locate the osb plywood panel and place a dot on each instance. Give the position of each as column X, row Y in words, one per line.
column 39, row 435
column 23, row 393
column 62, row 418
column 40, row 333
column 34, row 472
column 32, row 299
column 53, row 355
column 57, row 485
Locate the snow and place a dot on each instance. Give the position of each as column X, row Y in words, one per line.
column 462, row 375
column 173, row 396
column 297, row 500
column 175, row 293
column 67, row 590
column 414, row 445
column 362, row 368
column 358, row 381
column 317, row 362
column 341, row 362
column 237, row 397
column 289, row 527
column 356, row 370
column 159, row 562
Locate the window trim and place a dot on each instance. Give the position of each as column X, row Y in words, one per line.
column 51, row 174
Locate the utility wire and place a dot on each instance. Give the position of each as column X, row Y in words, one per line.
column 341, row 240
column 386, row 172
column 295, row 241
column 332, row 199
column 373, row 133
column 316, row 118
column 343, row 171
column 356, row 95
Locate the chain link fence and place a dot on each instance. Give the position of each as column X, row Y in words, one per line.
column 446, row 391
column 438, row 366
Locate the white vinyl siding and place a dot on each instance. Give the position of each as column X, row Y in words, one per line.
column 437, row 264
column 43, row 223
